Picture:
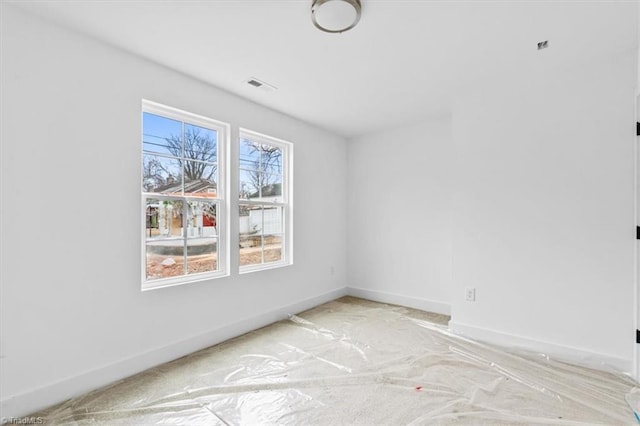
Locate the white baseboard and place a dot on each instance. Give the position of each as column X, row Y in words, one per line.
column 31, row 401
column 398, row 299
column 568, row 354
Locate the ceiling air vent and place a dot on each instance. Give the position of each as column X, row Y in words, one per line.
column 261, row 85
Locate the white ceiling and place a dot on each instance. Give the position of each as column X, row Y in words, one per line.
column 403, row 62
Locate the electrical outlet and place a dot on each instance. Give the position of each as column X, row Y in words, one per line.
column 470, row 294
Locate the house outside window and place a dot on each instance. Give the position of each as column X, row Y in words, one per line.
column 183, row 197
column 265, row 202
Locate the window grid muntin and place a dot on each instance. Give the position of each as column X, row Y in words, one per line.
column 283, row 201
column 182, row 159
column 222, row 227
column 281, row 234
column 284, row 147
column 185, row 237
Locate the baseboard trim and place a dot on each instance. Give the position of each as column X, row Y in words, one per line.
column 31, row 401
column 398, row 299
column 564, row 353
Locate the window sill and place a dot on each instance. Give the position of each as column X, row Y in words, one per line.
column 182, row 280
column 263, row 267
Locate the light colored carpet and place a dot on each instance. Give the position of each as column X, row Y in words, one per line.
column 358, row 363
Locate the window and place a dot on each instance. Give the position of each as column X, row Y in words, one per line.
column 183, row 197
column 265, row 202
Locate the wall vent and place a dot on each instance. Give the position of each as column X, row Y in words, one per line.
column 261, row 84
column 543, row 44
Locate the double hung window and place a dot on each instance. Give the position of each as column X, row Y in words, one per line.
column 183, row 196
column 265, row 238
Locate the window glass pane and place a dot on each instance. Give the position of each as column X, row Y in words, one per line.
column 160, row 134
column 163, row 219
column 250, row 218
column 250, row 228
column 250, row 184
column 272, row 220
column 249, row 155
column 244, row 213
column 201, row 219
column 200, row 143
column 271, row 188
column 272, row 248
column 202, row 255
column 260, row 185
column 161, row 174
column 254, row 221
column 250, row 250
column 271, row 159
column 165, row 259
column 200, row 179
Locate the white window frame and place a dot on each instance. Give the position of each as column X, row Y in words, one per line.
column 222, row 191
column 286, row 203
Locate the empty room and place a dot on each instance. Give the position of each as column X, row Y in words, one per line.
column 328, row 212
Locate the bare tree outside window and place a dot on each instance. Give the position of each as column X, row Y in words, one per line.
column 154, row 173
column 199, row 161
column 198, row 145
column 263, row 169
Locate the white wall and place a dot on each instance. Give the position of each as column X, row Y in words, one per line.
column 544, row 210
column 73, row 316
column 526, row 195
column 400, row 215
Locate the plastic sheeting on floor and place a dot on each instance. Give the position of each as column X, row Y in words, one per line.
column 357, row 362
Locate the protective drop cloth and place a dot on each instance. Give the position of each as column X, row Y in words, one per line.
column 353, row 362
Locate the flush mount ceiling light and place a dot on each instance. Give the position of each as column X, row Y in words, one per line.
column 335, row 16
